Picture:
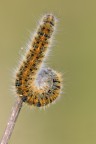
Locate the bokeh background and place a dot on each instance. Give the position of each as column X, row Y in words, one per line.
column 72, row 120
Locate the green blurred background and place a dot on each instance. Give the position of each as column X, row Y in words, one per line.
column 72, row 120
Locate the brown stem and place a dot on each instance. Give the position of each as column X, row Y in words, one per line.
column 11, row 122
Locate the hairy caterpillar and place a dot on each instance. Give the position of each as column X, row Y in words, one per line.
column 38, row 87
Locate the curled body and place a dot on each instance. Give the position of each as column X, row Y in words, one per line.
column 37, row 85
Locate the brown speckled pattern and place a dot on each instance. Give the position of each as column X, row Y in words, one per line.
column 49, row 80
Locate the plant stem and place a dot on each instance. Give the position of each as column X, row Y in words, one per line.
column 12, row 120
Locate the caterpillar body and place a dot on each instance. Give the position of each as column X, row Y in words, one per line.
column 38, row 87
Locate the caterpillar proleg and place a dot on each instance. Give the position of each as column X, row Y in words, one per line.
column 37, row 85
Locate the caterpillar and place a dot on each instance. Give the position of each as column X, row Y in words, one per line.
column 37, row 85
